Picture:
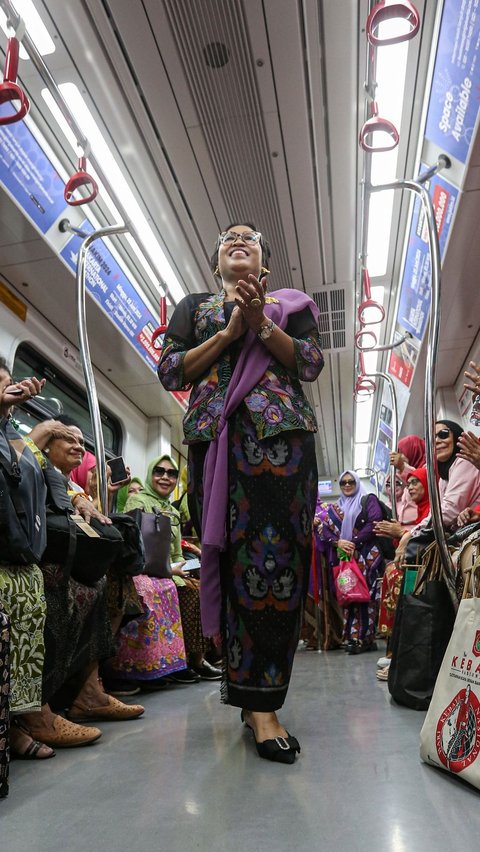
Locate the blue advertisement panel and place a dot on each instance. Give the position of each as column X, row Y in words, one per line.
column 381, row 462
column 28, row 174
column 414, row 301
column 454, row 102
column 110, row 287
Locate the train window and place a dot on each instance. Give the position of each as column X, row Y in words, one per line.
column 60, row 396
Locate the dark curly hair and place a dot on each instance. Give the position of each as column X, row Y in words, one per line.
column 264, row 245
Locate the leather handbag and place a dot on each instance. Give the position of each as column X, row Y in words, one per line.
column 156, row 534
column 84, row 550
column 421, row 632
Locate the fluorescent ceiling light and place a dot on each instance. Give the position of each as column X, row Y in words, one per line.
column 390, row 72
column 35, row 27
column 360, row 455
column 363, row 418
column 116, row 178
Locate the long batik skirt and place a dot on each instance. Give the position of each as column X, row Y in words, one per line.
column 77, row 633
column 265, row 569
column 152, row 646
column 22, row 599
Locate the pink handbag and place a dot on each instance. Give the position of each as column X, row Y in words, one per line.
column 350, row 584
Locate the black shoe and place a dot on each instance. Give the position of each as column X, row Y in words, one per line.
column 278, row 750
column 362, row 647
column 121, row 687
column 154, row 685
column 207, row 672
column 184, row 676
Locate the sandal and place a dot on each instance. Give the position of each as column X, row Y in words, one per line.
column 33, row 748
column 382, row 674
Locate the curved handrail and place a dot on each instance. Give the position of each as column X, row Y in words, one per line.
column 431, row 369
column 93, row 405
column 385, row 348
column 393, row 396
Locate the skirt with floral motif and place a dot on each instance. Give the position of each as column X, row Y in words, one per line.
column 22, row 599
column 152, row 646
column 265, row 569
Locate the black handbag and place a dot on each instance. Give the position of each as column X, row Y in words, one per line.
column 423, row 625
column 156, row 534
column 84, row 550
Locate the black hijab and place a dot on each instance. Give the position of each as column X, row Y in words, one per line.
column 444, row 467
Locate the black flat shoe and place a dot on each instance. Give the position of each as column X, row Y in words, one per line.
column 361, row 647
column 279, row 750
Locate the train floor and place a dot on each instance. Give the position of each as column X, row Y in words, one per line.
column 187, row 777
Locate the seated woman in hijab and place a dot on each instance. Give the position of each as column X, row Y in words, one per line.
column 409, row 455
column 148, row 650
column 392, row 579
column 349, row 526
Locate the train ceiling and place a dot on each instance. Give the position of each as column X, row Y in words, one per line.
column 220, row 111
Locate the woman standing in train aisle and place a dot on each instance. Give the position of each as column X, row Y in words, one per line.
column 244, row 354
column 348, row 526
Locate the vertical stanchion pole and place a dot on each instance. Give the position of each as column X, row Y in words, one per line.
column 87, row 363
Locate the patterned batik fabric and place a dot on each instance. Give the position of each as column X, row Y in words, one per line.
column 152, row 645
column 78, row 631
column 4, row 702
column 277, row 403
column 273, row 484
column 22, row 599
column 390, row 594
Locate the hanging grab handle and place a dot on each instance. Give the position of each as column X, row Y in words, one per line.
column 9, row 90
column 389, row 10
column 378, row 125
column 81, row 178
column 163, row 323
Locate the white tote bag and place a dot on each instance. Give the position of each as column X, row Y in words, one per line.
column 450, row 736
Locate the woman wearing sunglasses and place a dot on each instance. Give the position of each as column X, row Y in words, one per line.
column 152, row 647
column 348, row 526
column 249, row 424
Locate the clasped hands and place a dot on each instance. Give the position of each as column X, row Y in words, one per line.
column 249, row 305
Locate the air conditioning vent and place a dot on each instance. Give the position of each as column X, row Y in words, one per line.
column 331, row 302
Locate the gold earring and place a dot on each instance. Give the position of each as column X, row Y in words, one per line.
column 265, row 270
column 216, row 271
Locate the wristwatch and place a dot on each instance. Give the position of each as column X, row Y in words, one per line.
column 266, row 330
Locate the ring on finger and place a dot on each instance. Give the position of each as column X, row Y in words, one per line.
column 256, row 302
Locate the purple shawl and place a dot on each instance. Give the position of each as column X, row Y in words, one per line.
column 251, row 365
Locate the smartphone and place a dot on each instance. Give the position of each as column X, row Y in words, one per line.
column 118, row 470
column 17, row 391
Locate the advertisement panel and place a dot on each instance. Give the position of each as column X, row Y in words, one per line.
column 28, row 175
column 454, row 104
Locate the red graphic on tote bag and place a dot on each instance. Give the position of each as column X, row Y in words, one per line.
column 476, row 644
column 458, row 731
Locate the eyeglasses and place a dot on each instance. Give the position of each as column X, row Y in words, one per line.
column 347, row 482
column 249, row 237
column 166, row 471
column 442, row 433
column 413, row 481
